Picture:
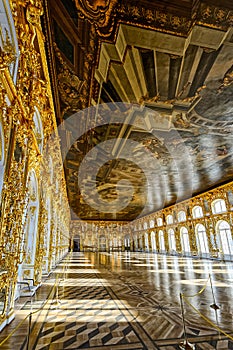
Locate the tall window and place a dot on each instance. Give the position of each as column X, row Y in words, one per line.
column 197, row 212
column 218, row 206
column 146, row 241
column 181, row 216
column 127, row 242
column 152, row 223
column 202, row 241
column 172, row 240
column 169, row 219
column 161, row 241
column 102, row 243
column 225, row 242
column 159, row 222
column 153, row 242
column 184, row 239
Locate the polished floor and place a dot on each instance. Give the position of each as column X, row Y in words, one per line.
column 128, row 301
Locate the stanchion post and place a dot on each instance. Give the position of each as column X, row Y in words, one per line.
column 214, row 305
column 185, row 345
column 29, row 330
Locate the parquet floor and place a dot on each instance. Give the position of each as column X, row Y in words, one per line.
column 128, row 301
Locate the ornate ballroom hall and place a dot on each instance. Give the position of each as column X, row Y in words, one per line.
column 116, row 174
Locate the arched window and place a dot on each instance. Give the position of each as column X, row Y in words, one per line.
column 153, row 241
column 115, row 242
column 218, row 206
column 127, row 242
column 152, row 223
column 181, row 216
column 146, row 241
column 184, row 240
column 161, row 241
column 197, row 212
column 140, row 243
column 224, row 237
column 202, row 242
column 169, row 219
column 172, row 240
column 102, row 243
column 159, row 222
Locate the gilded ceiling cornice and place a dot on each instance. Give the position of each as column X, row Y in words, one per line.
column 107, row 14
column 214, row 16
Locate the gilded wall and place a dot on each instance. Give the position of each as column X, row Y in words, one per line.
column 35, row 215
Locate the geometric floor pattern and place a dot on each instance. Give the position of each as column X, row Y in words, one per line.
column 129, row 301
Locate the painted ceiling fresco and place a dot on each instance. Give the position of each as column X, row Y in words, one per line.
column 160, row 128
column 189, row 154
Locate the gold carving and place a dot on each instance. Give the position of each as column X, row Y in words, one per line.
column 139, row 15
column 18, row 104
column 70, row 87
column 214, row 17
column 227, row 80
column 96, row 11
column 7, row 52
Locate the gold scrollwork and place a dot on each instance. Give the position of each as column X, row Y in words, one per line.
column 96, row 11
